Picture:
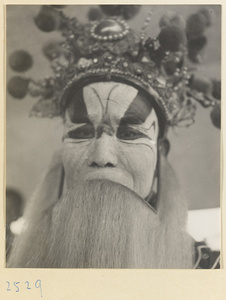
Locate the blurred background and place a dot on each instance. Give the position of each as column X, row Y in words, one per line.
column 31, row 142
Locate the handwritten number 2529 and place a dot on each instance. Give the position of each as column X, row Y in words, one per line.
column 38, row 285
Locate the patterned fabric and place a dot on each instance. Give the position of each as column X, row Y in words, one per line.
column 205, row 258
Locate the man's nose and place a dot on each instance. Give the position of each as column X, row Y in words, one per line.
column 103, row 152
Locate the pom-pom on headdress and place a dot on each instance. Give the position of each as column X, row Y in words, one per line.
column 107, row 49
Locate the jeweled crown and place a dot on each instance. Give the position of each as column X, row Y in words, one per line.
column 107, row 48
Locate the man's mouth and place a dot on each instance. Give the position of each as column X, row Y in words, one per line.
column 109, row 174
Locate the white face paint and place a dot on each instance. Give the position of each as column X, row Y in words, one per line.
column 111, row 133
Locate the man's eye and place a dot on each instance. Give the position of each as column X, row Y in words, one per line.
column 83, row 132
column 128, row 133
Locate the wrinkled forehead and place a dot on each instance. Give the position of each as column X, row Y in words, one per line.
column 117, row 99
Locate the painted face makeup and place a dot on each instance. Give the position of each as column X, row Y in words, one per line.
column 111, row 132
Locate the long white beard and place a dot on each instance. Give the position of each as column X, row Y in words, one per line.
column 108, row 227
column 100, row 224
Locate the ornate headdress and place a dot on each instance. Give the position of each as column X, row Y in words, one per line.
column 107, row 49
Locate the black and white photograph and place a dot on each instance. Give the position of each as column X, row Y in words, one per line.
column 113, row 136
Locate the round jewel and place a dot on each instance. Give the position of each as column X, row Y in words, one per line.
column 138, row 71
column 109, row 30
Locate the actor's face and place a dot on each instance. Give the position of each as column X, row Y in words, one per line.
column 111, row 133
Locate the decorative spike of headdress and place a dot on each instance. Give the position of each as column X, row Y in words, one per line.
column 108, row 47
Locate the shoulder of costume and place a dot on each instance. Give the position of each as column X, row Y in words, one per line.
column 205, row 258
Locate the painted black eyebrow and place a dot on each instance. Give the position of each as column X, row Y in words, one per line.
column 138, row 111
column 77, row 110
column 131, row 120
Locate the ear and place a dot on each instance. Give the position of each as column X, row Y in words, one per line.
column 164, row 146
